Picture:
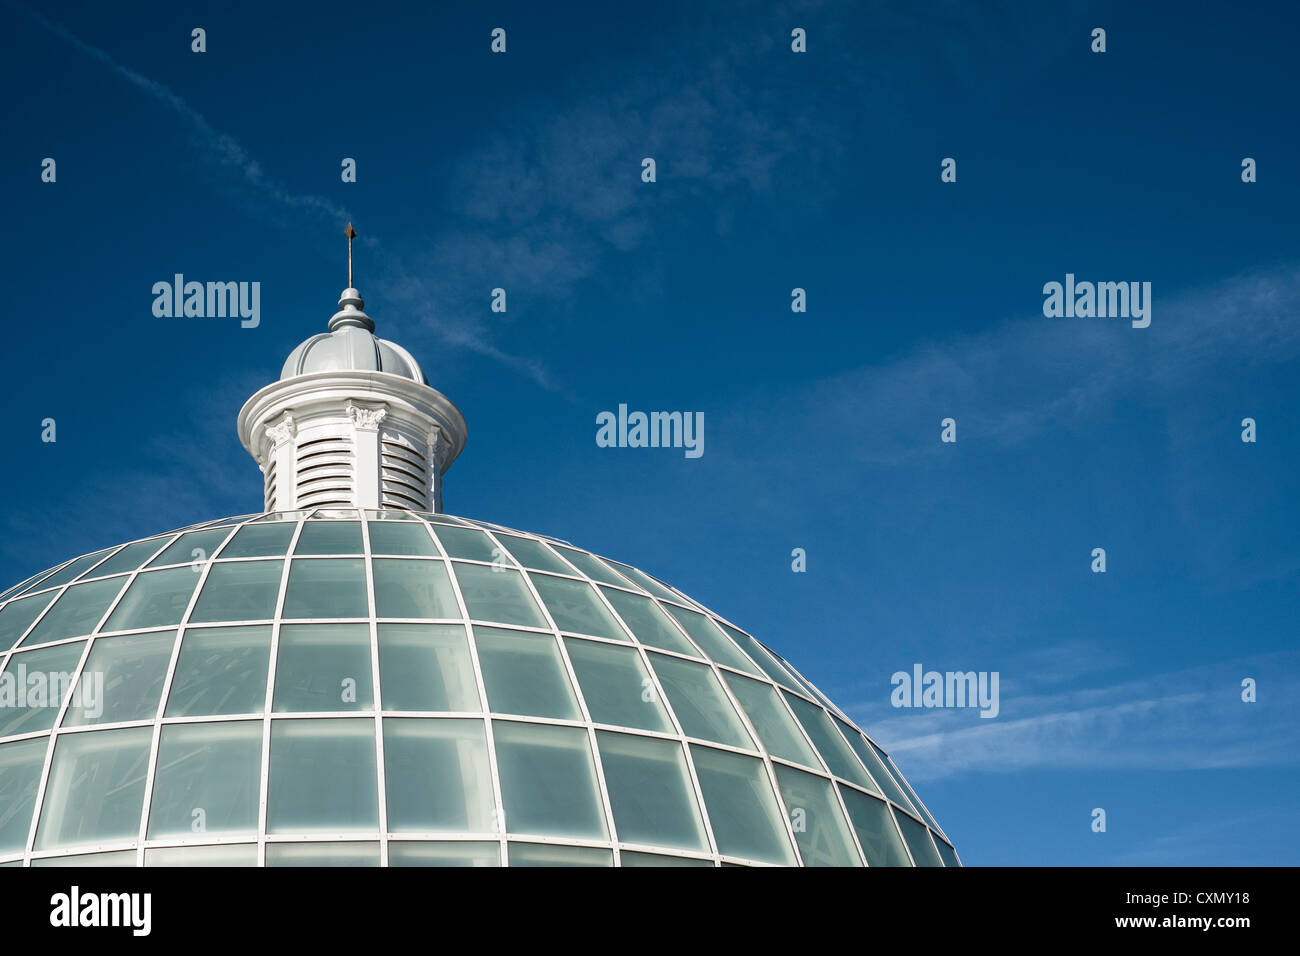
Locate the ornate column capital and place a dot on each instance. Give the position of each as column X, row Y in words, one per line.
column 438, row 449
column 366, row 416
column 282, row 431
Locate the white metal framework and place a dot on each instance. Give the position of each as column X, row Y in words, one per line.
column 499, row 698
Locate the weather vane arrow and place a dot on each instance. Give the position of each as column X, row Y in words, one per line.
column 351, row 234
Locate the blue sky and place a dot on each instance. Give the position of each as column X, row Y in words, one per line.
column 775, row 170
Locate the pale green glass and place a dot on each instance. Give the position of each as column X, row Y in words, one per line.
column 322, row 854
column 650, row 791
column 426, row 667
column 771, row 721
column 114, row 858
column 591, row 566
column 239, row 591
column 450, row 853
column 232, row 854
column 322, row 776
column 631, row 858
column 712, row 641
column 323, row 667
column 130, row 557
column 325, row 588
column 616, row 686
column 638, row 576
column 208, row 779
column 575, row 607
column 698, row 700
column 401, row 537
column 875, row 828
column 437, row 775
column 329, row 537
column 816, row 818
column 497, row 596
column 122, row 680
column 759, row 655
column 867, row 755
column 907, row 787
column 221, row 670
column 40, row 696
column 75, row 569
column 21, row 763
column 96, row 788
column 260, row 541
column 533, row 554
column 650, row 625
column 548, row 780
column 17, row 616
column 947, row 853
column 76, row 612
column 524, row 674
column 546, row 854
column 742, row 808
column 839, row 758
column 154, row 599
column 466, row 543
column 918, row 841
column 551, row 855
column 182, row 550
column 413, row 588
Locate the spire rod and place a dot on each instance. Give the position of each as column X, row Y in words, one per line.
column 351, row 234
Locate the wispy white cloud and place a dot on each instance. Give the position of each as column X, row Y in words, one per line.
column 1029, row 374
column 265, row 197
column 219, row 147
column 1182, row 720
column 1214, row 839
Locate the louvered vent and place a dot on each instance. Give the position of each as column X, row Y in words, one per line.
column 325, row 473
column 404, row 474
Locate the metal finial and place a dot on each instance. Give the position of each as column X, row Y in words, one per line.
column 351, row 234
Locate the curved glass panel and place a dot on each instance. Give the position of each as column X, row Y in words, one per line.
column 221, row 670
column 816, row 819
column 122, row 680
column 322, row 776
column 548, row 780
column 875, row 828
column 76, row 612
column 96, row 788
column 699, row 702
column 458, row 853
column 506, row 696
column 208, row 779
column 650, row 791
column 20, row 774
column 323, row 667
column 615, row 685
column 493, row 594
column 650, row 625
column 437, row 775
column 575, row 607
column 411, row 588
column 742, row 807
column 426, row 667
column 34, row 686
column 523, row 674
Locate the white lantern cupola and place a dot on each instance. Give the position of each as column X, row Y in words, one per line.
column 352, row 422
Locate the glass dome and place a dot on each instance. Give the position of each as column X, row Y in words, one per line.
column 387, row 688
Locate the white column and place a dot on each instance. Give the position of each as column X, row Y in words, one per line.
column 367, row 475
column 437, row 452
column 283, row 452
